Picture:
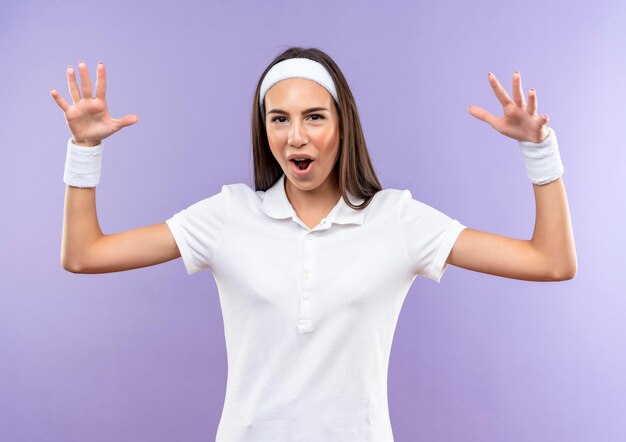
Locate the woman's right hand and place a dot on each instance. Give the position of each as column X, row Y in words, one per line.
column 87, row 117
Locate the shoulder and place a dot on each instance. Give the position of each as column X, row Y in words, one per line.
column 391, row 197
column 385, row 205
column 403, row 204
column 242, row 193
column 239, row 189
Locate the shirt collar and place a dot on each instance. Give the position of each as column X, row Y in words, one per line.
column 276, row 205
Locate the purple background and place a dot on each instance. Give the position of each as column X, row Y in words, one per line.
column 138, row 356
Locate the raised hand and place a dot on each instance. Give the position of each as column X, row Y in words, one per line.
column 87, row 117
column 520, row 121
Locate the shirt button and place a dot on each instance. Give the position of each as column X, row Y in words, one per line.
column 307, row 275
column 306, row 295
column 310, row 238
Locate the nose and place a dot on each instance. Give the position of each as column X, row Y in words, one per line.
column 297, row 135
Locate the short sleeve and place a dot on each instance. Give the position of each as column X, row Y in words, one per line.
column 428, row 235
column 198, row 229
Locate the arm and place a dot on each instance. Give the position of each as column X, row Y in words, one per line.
column 130, row 249
column 553, row 236
column 80, row 225
column 85, row 249
column 550, row 255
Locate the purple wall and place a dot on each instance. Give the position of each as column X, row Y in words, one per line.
column 137, row 356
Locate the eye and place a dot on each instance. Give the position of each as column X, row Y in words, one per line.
column 320, row 117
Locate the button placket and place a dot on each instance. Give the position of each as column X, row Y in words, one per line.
column 305, row 320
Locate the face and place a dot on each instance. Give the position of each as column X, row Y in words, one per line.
column 294, row 130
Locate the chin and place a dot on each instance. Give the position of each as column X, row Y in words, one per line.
column 304, row 184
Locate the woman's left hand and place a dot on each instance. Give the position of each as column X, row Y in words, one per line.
column 520, row 121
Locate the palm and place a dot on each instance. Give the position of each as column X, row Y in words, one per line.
column 89, row 119
column 520, row 120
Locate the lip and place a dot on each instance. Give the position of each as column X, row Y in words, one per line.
column 299, row 156
column 299, row 172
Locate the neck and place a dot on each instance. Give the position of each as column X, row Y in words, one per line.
column 323, row 197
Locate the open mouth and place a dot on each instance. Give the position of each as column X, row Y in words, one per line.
column 302, row 164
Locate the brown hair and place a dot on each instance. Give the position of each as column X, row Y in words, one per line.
column 353, row 167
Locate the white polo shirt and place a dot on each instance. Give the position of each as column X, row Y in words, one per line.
column 309, row 314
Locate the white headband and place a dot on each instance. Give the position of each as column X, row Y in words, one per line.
column 297, row 68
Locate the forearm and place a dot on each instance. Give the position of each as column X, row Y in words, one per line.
column 553, row 235
column 80, row 224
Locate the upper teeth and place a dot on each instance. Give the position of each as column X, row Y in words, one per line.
column 300, row 159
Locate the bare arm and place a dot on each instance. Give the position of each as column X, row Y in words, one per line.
column 553, row 236
column 130, row 249
column 85, row 249
column 80, row 225
column 550, row 255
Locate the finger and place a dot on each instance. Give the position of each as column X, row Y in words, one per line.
column 501, row 94
column 59, row 100
column 518, row 92
column 127, row 120
column 101, row 81
column 482, row 114
column 85, row 81
column 532, row 102
column 71, row 80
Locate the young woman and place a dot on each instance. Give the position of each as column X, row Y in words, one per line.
column 312, row 266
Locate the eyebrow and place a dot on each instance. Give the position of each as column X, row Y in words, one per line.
column 306, row 111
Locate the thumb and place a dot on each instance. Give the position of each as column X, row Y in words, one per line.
column 481, row 114
column 127, row 120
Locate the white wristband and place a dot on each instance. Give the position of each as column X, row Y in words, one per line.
column 83, row 164
column 543, row 160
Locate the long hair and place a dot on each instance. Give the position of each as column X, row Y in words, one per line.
column 353, row 167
